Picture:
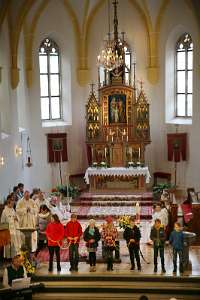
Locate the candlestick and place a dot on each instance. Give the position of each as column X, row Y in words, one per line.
column 92, row 153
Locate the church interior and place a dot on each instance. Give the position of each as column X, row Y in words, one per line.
column 99, row 125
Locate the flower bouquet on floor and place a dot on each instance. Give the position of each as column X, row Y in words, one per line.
column 124, row 221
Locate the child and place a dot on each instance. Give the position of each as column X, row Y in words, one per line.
column 92, row 236
column 109, row 235
column 55, row 235
column 73, row 232
column 44, row 218
column 177, row 241
column 132, row 236
column 158, row 237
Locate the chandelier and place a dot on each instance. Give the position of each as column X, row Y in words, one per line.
column 112, row 56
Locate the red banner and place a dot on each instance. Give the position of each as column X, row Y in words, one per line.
column 57, row 147
column 177, row 144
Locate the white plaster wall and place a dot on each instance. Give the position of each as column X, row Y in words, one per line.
column 12, row 172
column 47, row 175
column 173, row 25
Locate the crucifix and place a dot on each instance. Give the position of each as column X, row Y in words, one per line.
column 141, row 84
column 92, row 87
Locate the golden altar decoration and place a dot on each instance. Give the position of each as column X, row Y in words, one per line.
column 117, row 119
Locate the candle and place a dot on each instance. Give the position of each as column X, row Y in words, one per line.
column 139, row 152
column 107, row 138
column 92, row 152
column 105, row 152
column 112, row 138
column 127, row 138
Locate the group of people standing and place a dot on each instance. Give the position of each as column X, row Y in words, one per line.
column 55, row 233
column 36, row 212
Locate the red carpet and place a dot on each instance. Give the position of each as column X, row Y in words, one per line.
column 43, row 255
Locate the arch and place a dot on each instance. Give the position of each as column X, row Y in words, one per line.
column 3, row 11
column 31, row 32
column 29, row 42
column 14, row 41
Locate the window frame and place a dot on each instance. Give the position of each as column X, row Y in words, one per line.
column 186, row 50
column 48, row 54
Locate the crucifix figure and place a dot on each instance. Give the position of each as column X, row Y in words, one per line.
column 141, row 84
column 92, row 87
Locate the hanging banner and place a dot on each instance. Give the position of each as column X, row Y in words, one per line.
column 57, row 147
column 177, row 145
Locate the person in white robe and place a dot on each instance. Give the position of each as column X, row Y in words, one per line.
column 27, row 212
column 40, row 200
column 161, row 215
column 9, row 217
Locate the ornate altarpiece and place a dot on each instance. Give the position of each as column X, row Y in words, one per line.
column 118, row 128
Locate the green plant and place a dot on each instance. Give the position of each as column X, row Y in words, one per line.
column 68, row 190
column 158, row 189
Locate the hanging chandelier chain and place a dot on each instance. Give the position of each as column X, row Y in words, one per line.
column 109, row 20
column 115, row 22
column 113, row 55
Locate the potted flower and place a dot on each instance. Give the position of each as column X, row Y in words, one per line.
column 124, row 221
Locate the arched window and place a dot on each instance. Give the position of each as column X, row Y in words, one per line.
column 184, row 76
column 50, row 91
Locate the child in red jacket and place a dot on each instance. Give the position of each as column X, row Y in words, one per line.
column 73, row 233
column 55, row 235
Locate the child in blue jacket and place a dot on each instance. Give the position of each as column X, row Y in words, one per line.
column 177, row 241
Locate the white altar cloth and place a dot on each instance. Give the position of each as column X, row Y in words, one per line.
column 117, row 172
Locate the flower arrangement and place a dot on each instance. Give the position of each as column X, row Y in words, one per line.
column 27, row 261
column 124, row 221
column 103, row 164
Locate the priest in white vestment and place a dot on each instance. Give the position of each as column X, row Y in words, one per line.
column 27, row 212
column 9, row 217
column 40, row 200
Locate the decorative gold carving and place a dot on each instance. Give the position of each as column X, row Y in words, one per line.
column 92, row 116
column 124, row 142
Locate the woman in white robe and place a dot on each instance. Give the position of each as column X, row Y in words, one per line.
column 9, row 217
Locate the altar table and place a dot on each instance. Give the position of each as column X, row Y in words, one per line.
column 117, row 178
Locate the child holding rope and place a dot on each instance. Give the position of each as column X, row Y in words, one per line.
column 55, row 235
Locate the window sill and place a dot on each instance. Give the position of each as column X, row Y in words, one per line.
column 180, row 121
column 54, row 123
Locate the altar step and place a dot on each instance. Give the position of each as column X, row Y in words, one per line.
column 108, row 202
column 101, row 212
column 101, row 205
column 136, row 196
column 113, row 286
